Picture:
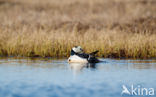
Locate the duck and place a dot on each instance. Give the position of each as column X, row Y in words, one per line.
column 77, row 55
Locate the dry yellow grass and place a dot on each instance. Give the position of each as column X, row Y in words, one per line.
column 117, row 28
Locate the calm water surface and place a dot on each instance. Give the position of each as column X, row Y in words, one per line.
column 57, row 78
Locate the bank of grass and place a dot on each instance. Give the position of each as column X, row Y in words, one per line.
column 58, row 44
column 117, row 28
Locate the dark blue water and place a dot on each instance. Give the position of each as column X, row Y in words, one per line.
column 57, row 78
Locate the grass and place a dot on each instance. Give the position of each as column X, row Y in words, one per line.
column 50, row 28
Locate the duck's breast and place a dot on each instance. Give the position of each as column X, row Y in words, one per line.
column 77, row 59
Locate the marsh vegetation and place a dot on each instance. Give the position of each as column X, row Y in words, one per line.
column 50, row 28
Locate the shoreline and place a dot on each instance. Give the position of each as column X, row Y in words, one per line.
column 60, row 58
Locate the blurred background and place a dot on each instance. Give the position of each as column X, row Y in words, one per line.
column 36, row 27
column 85, row 14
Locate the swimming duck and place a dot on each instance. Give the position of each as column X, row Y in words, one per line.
column 77, row 55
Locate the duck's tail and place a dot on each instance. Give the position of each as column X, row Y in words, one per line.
column 92, row 58
column 93, row 53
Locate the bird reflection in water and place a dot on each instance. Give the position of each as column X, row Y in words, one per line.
column 77, row 67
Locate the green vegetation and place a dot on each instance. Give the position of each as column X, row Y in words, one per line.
column 117, row 28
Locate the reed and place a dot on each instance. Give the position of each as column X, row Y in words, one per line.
column 117, row 28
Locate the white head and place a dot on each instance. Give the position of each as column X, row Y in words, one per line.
column 77, row 49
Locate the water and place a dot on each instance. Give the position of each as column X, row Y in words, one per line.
column 57, row 78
